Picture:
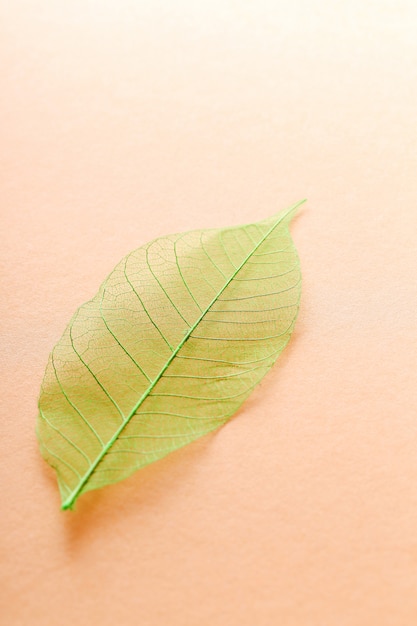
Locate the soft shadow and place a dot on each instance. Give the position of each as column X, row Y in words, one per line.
column 147, row 488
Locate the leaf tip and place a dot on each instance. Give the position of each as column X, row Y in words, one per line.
column 287, row 215
column 293, row 210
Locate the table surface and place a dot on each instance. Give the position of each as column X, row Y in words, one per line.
column 125, row 120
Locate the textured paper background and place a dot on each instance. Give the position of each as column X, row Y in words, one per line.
column 121, row 121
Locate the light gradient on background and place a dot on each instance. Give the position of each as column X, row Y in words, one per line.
column 123, row 121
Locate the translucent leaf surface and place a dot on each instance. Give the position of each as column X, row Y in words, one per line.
column 174, row 341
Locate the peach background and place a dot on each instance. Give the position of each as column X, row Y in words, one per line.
column 124, row 120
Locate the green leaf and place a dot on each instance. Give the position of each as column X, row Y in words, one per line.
column 174, row 341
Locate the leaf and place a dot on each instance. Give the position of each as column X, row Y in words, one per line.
column 174, row 341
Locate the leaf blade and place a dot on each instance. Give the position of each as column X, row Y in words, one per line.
column 118, row 348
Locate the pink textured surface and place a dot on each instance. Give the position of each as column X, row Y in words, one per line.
column 121, row 121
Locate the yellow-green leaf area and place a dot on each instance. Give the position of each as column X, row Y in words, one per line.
column 175, row 340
